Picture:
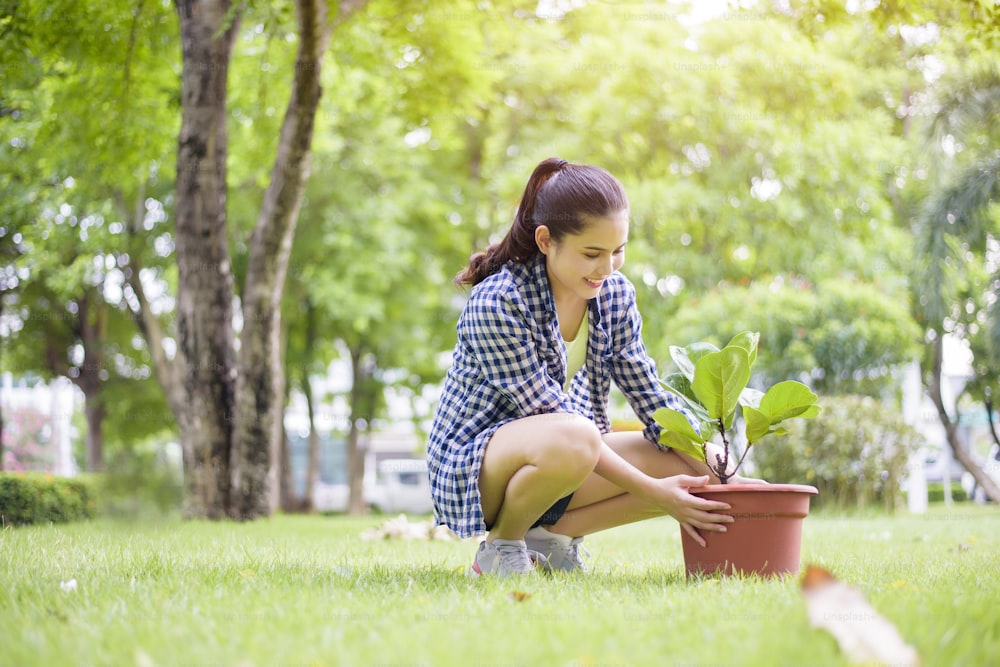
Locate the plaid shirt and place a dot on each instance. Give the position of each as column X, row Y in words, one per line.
column 510, row 363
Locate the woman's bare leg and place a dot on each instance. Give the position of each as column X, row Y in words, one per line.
column 598, row 504
column 531, row 463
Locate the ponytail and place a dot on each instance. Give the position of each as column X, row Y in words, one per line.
column 558, row 195
column 519, row 243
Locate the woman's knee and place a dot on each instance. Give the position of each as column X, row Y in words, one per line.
column 573, row 441
column 545, row 441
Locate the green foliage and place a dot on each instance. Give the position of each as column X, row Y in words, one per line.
column 844, row 336
column 139, row 483
column 956, row 223
column 712, row 384
column 935, row 492
column 770, row 148
column 87, row 117
column 855, row 452
column 37, row 498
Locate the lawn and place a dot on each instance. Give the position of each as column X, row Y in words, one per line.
column 308, row 591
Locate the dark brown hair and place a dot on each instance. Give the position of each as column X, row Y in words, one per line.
column 559, row 195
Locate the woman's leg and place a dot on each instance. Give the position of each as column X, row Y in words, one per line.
column 598, row 504
column 531, row 463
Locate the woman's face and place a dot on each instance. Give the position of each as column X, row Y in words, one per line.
column 579, row 264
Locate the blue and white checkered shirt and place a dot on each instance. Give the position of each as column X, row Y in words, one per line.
column 510, row 363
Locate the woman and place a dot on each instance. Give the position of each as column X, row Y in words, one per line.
column 521, row 444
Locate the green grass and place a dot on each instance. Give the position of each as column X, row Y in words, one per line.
column 307, row 591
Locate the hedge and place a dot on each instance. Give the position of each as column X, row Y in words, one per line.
column 27, row 498
column 935, row 492
column 855, row 452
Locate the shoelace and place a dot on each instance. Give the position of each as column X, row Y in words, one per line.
column 573, row 550
column 514, row 559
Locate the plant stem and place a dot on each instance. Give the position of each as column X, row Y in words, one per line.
column 722, row 462
column 740, row 462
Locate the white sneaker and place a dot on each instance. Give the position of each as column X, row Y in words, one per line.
column 562, row 552
column 505, row 558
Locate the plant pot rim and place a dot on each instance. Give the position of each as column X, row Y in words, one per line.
column 764, row 488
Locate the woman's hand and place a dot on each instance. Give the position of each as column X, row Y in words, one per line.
column 693, row 513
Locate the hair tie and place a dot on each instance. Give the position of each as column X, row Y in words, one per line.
column 561, row 164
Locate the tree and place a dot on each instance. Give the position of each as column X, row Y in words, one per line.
column 375, row 255
column 260, row 390
column 230, row 420
column 956, row 230
column 68, row 179
column 844, row 337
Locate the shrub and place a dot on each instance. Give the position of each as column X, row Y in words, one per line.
column 855, row 452
column 845, row 336
column 40, row 498
column 935, row 492
column 138, row 483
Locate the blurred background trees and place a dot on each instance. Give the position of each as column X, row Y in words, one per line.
column 822, row 172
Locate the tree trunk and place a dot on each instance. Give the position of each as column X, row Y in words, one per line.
column 287, row 500
column 260, row 381
column 94, row 409
column 362, row 372
column 205, row 280
column 312, row 468
column 962, row 455
column 91, row 330
column 988, row 403
column 165, row 369
column 283, row 453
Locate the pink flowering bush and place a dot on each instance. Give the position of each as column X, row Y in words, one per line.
column 26, row 441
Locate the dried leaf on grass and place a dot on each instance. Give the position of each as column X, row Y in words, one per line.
column 863, row 634
column 401, row 528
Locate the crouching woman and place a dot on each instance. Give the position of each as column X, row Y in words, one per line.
column 521, row 445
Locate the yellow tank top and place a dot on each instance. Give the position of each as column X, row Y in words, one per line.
column 576, row 351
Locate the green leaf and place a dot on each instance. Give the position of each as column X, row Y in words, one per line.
column 811, row 412
column 748, row 341
column 685, row 358
column 680, row 357
column 679, row 443
column 786, row 400
column 696, row 351
column 679, row 385
column 750, row 397
column 720, row 378
column 757, row 424
column 674, row 421
column 710, row 427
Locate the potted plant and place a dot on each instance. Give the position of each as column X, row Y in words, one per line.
column 712, row 384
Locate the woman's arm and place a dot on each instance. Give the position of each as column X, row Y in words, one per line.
column 670, row 494
column 632, row 369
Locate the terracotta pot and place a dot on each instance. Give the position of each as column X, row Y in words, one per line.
column 764, row 539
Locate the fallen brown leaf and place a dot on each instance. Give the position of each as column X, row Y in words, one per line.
column 864, row 636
